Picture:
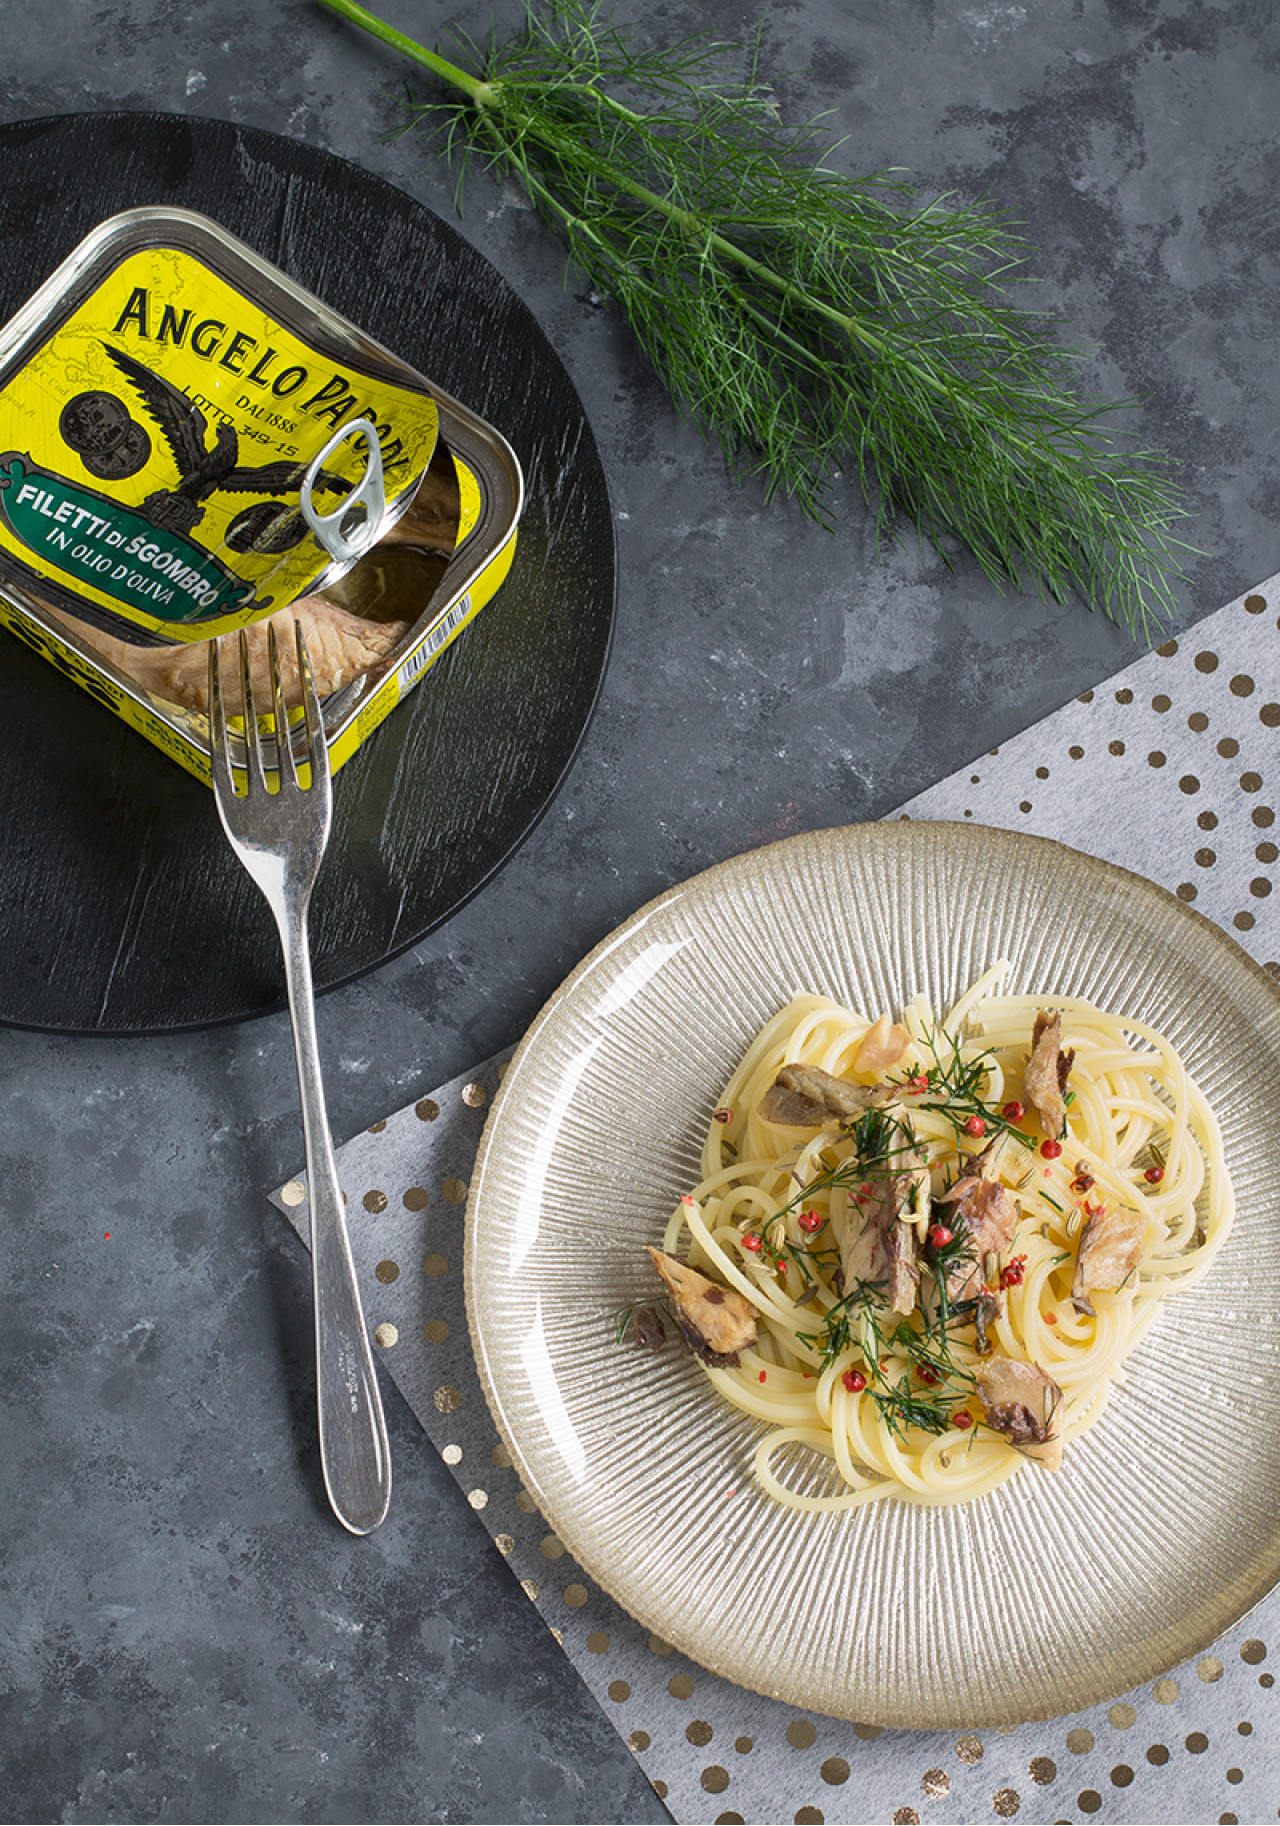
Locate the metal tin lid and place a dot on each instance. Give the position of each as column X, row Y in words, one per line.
column 188, row 440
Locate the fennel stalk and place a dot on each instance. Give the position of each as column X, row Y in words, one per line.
column 813, row 323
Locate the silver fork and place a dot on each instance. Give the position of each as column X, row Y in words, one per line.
column 280, row 838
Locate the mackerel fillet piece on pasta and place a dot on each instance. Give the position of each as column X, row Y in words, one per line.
column 1024, row 1404
column 1112, row 1244
column 804, row 1097
column 882, row 1245
column 716, row 1322
column 989, row 1213
column 1044, row 1079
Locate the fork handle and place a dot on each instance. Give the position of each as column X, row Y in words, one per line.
column 354, row 1451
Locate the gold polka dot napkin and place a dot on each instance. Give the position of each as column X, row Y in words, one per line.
column 1172, row 769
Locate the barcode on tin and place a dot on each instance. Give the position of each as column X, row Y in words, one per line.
column 422, row 656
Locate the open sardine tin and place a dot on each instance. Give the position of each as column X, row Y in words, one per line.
column 164, row 399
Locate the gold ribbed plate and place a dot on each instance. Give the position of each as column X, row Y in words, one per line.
column 1055, row 1592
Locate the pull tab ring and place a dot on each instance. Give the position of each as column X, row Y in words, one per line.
column 341, row 539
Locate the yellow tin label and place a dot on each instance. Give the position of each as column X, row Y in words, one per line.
column 153, row 449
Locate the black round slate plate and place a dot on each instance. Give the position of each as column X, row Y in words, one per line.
column 122, row 909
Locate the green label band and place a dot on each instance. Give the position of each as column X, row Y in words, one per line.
column 158, row 573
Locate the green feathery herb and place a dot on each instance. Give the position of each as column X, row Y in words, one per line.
column 810, row 322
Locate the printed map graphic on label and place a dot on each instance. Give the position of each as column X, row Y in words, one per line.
column 153, row 448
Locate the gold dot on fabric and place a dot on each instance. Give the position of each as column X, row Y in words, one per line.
column 1197, row 1743
column 1076, row 752
column 1242, row 685
column 1270, row 715
column 1115, row 748
column 1208, row 821
column 436, row 1331
column 1121, row 1775
column 1266, row 1680
column 975, row 779
column 868, row 1733
column 436, row 1265
column 1263, row 816
column 1161, row 703
column 1206, row 662
column 812, row 1816
column 479, row 1499
column 1253, row 1651
column 1158, row 1754
column 743, row 1745
column 416, row 1199
column 1228, row 748
column 1251, row 783
column 387, row 1272
column 936, row 1782
column 639, row 1740
column 1259, row 887
column 969, row 1749
column 530, row 1589
column 1244, row 922
column 1198, row 721
column 906, row 1816
column 659, row 1788
column 1235, row 1775
column 1255, row 604
column 1124, row 695
column 427, row 1110
column 1206, row 858
column 681, row 1686
column 575, row 1596
column 1080, row 1741
column 1266, row 852
column 834, row 1771
column 1025, row 806
column 1164, row 1692
column 386, row 1335
column 293, row 1192
column 1186, row 890
column 1156, row 759
column 1042, row 773
column 1245, row 1728
column 473, row 1095
column 1122, row 1715
column 1043, row 1770
column 658, row 1647
column 454, row 1191
column 1090, row 1801
column 501, row 1457
column 452, row 1455
column 1085, row 697
column 730, row 1819
column 714, row 1779
column 552, row 1547
column 699, row 1732
column 375, row 1201
column 802, row 1734
column 525, row 1502
column 1188, row 784
column 1168, row 650
column 447, row 1399
column 598, row 1642
column 620, row 1690
column 505, row 1543
column 1005, row 1803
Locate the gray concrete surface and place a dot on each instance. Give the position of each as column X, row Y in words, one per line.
column 183, row 1633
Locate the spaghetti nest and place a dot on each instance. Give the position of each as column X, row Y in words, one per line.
column 939, row 1241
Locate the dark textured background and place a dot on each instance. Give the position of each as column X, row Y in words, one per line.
column 184, row 1635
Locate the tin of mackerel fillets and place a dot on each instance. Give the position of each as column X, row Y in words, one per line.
column 190, row 443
